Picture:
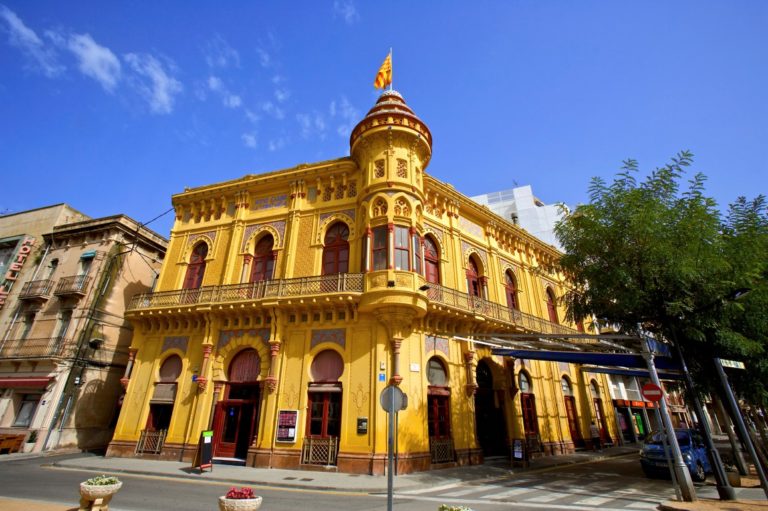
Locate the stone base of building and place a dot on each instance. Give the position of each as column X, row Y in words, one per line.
column 170, row 452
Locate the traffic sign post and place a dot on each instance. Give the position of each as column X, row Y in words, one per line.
column 652, row 392
column 392, row 400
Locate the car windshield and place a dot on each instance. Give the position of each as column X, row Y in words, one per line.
column 683, row 437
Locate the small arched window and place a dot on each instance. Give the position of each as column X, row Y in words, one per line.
column 510, row 289
column 431, row 260
column 474, row 280
column 171, row 369
column 336, row 249
column 263, row 260
column 595, row 389
column 525, row 383
column 436, row 373
column 551, row 305
column 327, row 366
column 565, row 383
column 196, row 269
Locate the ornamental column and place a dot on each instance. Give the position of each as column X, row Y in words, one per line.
column 398, row 323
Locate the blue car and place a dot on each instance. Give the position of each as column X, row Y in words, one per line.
column 654, row 461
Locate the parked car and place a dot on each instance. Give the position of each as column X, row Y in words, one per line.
column 653, row 460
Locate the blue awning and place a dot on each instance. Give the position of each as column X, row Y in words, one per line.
column 88, row 255
column 593, row 358
column 638, row 373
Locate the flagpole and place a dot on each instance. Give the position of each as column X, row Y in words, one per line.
column 391, row 69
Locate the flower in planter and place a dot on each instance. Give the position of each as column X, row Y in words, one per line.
column 102, row 480
column 446, row 507
column 242, row 493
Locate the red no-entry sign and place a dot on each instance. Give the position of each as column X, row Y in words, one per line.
column 652, row 392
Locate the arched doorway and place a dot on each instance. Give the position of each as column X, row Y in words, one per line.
column 235, row 422
column 605, row 437
column 439, row 412
column 321, row 444
column 431, row 261
column 193, row 278
column 336, row 249
column 530, row 414
column 552, row 306
column 571, row 412
column 164, row 396
column 490, row 421
column 510, row 289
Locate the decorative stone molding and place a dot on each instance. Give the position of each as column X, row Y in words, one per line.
column 179, row 343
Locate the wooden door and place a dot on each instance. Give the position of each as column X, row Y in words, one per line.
column 233, row 429
column 573, row 421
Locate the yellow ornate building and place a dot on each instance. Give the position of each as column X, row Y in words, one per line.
column 289, row 300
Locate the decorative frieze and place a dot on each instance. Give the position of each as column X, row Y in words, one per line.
column 227, row 335
column 179, row 343
column 435, row 343
column 334, row 335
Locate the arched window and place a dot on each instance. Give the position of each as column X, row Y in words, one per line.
column 524, row 383
column 171, row 369
column 245, row 367
column 551, row 305
column 436, row 373
column 324, row 417
column 474, row 280
column 336, row 249
column 595, row 389
column 599, row 411
column 510, row 289
column 566, row 386
column 431, row 260
column 528, row 406
column 327, row 366
column 263, row 260
column 164, row 396
column 196, row 269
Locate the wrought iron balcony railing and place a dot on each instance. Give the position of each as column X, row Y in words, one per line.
column 74, row 285
column 35, row 348
column 459, row 300
column 303, row 286
column 36, row 289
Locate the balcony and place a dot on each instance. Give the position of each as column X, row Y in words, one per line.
column 48, row 347
column 267, row 289
column 72, row 286
column 36, row 290
column 439, row 297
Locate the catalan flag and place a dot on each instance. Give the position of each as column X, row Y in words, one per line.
column 384, row 76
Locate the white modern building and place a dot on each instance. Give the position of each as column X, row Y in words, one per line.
column 521, row 207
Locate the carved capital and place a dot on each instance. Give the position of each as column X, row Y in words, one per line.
column 271, row 383
column 202, row 384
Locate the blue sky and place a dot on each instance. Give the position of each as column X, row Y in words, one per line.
column 113, row 108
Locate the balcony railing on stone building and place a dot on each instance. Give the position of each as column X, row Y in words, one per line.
column 460, row 300
column 340, row 283
column 36, row 290
column 303, row 286
column 55, row 347
column 74, row 285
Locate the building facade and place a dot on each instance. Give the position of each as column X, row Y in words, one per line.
column 289, row 300
column 65, row 340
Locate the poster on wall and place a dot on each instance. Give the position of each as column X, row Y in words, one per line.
column 286, row 425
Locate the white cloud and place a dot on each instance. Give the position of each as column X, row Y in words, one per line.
column 218, row 53
column 282, row 95
column 227, row 98
column 270, row 108
column 249, row 139
column 346, row 10
column 42, row 57
column 347, row 114
column 252, row 116
column 264, row 58
column 95, row 61
column 277, row 143
column 311, row 125
column 158, row 86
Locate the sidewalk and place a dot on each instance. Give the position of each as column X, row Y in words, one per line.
column 327, row 480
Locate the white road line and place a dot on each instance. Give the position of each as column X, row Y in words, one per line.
column 592, row 501
column 428, row 489
column 548, row 497
column 508, row 493
column 472, row 489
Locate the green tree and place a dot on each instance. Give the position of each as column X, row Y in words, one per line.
column 661, row 255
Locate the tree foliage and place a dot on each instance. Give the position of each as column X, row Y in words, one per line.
column 657, row 252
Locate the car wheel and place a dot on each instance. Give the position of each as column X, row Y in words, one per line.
column 698, row 474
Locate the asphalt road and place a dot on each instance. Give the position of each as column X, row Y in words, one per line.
column 610, row 484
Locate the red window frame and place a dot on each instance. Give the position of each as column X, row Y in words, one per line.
column 193, row 279
column 530, row 421
column 474, row 283
column 324, row 414
column 551, row 306
column 402, row 248
column 510, row 288
column 431, row 261
column 263, row 260
column 439, row 415
column 336, row 249
column 379, row 245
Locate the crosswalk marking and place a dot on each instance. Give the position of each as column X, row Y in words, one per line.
column 547, row 497
column 593, row 501
column 428, row 489
column 508, row 493
column 642, row 505
column 471, row 489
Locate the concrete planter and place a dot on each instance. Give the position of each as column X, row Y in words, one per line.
column 226, row 504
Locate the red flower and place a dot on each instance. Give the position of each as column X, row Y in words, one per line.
column 242, row 493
